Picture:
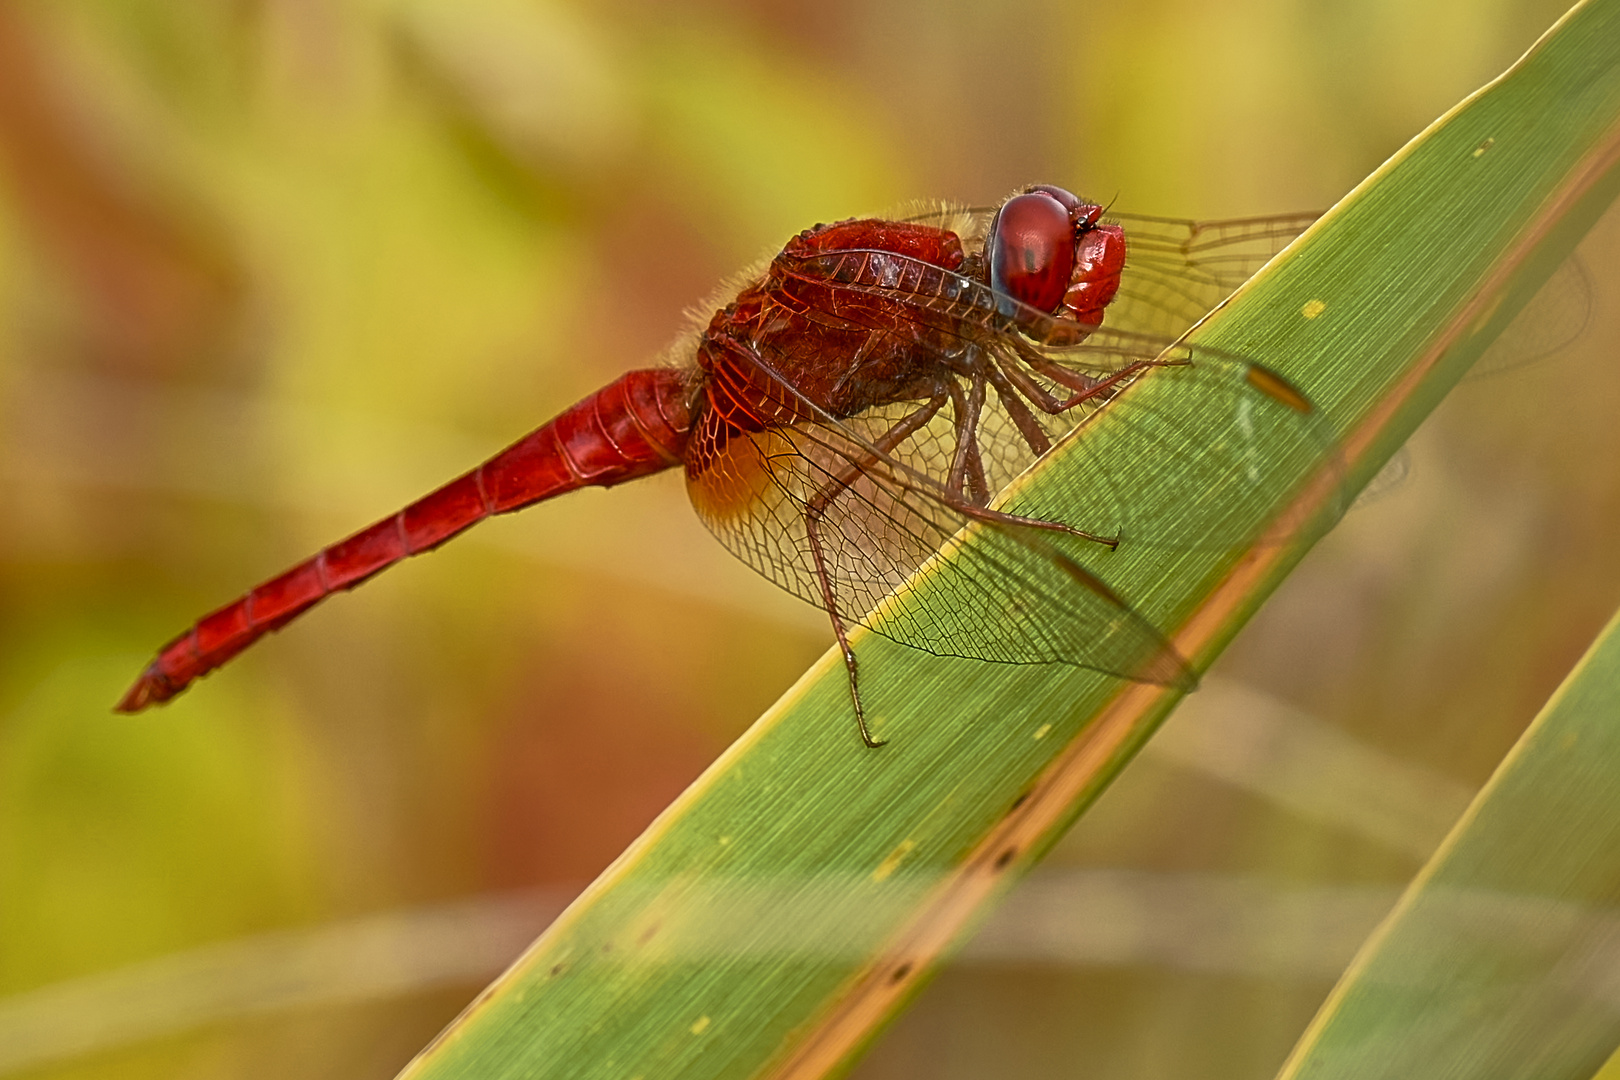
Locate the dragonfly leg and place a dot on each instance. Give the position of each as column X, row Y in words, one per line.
column 1001, row 517
column 816, row 509
column 1038, row 442
column 1024, row 420
column 967, row 467
column 1086, row 387
column 850, row 663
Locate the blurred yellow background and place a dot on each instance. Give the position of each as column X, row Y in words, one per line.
column 271, row 268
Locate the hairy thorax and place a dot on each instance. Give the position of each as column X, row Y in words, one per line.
column 841, row 350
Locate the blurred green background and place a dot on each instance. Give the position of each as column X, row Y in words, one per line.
column 271, row 268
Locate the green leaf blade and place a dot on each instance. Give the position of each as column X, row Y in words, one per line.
column 780, row 911
column 1499, row 960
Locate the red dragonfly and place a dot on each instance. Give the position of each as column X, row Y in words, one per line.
column 863, row 398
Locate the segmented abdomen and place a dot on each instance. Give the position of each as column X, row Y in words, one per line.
column 633, row 427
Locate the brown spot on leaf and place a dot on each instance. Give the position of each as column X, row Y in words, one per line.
column 1279, row 389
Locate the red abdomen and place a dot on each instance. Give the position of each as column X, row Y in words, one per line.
column 633, row 427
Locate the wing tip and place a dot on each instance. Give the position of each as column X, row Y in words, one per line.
column 1170, row 669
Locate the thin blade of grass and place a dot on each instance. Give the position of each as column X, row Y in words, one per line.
column 786, row 905
column 1503, row 957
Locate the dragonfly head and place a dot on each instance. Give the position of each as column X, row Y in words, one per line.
column 1049, row 249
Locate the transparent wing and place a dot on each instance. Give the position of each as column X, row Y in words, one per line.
column 1176, row 270
column 1194, row 452
column 790, row 500
column 1553, row 320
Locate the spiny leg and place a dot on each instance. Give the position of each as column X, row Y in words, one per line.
column 1084, row 386
column 1035, row 436
column 817, row 508
column 1001, row 517
column 1011, row 381
column 1039, row 442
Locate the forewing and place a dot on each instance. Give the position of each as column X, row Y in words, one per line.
column 1176, row 270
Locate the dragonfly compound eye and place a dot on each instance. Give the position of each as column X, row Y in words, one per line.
column 1031, row 250
column 1071, row 202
